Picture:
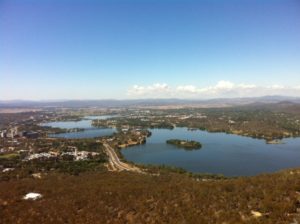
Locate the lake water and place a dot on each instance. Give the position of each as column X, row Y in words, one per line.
column 86, row 124
column 221, row 153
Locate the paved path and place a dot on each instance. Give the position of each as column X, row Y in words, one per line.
column 115, row 163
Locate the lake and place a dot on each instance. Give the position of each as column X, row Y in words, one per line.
column 221, row 153
column 85, row 123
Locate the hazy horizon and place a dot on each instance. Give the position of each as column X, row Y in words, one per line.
column 152, row 49
column 275, row 97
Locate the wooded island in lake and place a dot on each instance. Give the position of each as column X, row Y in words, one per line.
column 188, row 145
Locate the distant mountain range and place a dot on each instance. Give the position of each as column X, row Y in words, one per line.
column 219, row 102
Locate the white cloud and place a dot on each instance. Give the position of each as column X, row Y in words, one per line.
column 224, row 85
column 246, row 86
column 276, row 87
column 220, row 89
column 187, row 89
column 155, row 89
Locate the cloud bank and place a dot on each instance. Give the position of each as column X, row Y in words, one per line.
column 223, row 88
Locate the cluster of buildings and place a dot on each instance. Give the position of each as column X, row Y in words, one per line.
column 10, row 133
column 77, row 155
column 14, row 133
column 42, row 155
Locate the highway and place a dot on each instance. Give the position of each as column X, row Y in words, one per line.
column 114, row 162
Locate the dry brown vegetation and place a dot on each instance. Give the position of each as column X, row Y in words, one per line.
column 107, row 197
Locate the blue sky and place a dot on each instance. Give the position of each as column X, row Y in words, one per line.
column 143, row 49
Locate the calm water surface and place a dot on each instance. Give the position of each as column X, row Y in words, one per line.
column 86, row 124
column 221, row 153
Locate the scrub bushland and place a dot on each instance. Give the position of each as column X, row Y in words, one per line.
column 167, row 197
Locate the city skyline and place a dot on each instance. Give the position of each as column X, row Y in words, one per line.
column 150, row 49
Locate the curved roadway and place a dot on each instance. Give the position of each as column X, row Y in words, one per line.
column 115, row 163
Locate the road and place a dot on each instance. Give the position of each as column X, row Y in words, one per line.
column 114, row 162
